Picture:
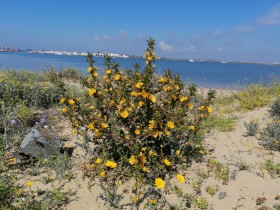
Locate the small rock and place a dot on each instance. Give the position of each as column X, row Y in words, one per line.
column 222, row 195
column 39, row 142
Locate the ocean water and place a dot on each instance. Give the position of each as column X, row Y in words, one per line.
column 204, row 74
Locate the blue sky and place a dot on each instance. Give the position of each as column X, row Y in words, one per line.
column 192, row 29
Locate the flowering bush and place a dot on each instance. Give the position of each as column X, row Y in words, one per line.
column 146, row 127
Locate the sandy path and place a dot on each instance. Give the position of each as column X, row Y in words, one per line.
column 230, row 148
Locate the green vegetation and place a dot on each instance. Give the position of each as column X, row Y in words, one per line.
column 145, row 128
column 226, row 107
column 275, row 109
column 252, row 127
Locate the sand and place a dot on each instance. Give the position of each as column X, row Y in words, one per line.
column 230, row 148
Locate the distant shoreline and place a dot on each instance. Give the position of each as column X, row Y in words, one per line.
column 119, row 55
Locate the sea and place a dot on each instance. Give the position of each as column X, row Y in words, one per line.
column 204, row 74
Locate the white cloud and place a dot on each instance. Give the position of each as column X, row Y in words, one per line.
column 242, row 29
column 188, row 49
column 272, row 17
column 166, row 47
column 120, row 36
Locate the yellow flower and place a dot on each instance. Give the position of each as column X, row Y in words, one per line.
column 151, row 124
column 159, row 183
column 162, row 80
column 143, row 149
column 168, row 133
column 117, row 77
column 98, row 160
column 89, row 69
column 19, row 191
column 102, row 173
column 149, row 59
column 124, row 114
column 145, row 169
column 137, row 131
column 133, row 160
column 91, row 165
column 112, row 102
column 201, row 115
column 201, row 152
column 191, row 128
column 167, row 162
column 134, row 93
column 62, row 100
column 183, row 98
column 144, row 94
column 97, row 132
column 140, row 103
column 152, row 153
column 118, row 182
column 67, row 145
column 71, row 102
column 104, row 125
column 155, row 134
column 152, row 201
column 29, row 184
column 91, row 126
column 95, row 74
column 139, row 84
column 170, row 124
column 142, row 157
column 134, row 199
column 152, row 98
column 91, row 107
column 180, row 178
column 209, row 109
column 12, row 159
column 124, row 77
column 91, row 91
column 207, row 152
column 51, row 178
column 200, row 108
column 190, row 105
column 178, row 152
column 64, row 110
column 109, row 71
column 111, row 164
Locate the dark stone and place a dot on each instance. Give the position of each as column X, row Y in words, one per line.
column 40, row 142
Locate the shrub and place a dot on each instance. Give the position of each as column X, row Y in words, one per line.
column 252, row 127
column 275, row 109
column 70, row 73
column 270, row 136
column 29, row 89
column 8, row 191
column 146, row 128
column 253, row 96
